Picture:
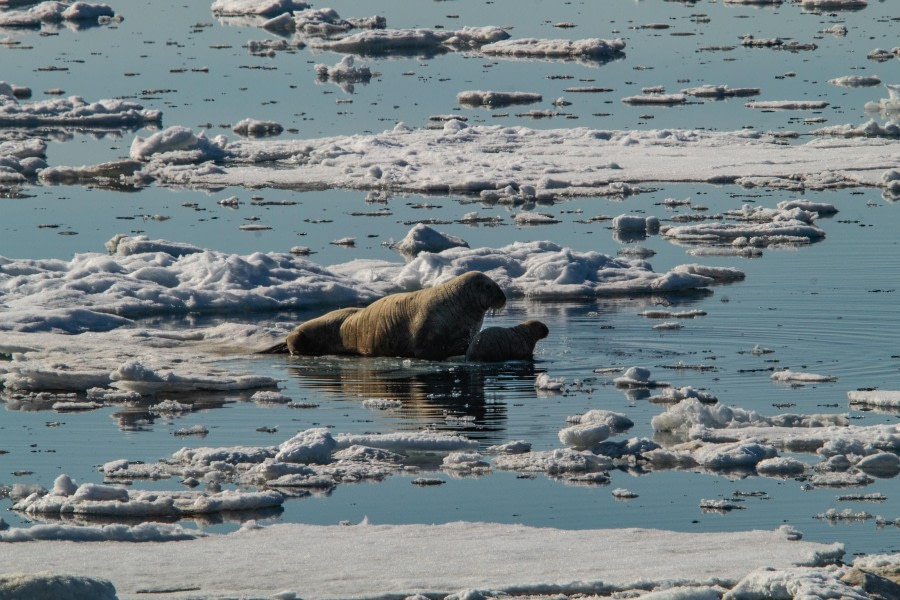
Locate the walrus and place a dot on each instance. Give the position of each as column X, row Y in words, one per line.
column 495, row 344
column 432, row 324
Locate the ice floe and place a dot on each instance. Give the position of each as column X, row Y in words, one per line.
column 567, row 49
column 855, row 81
column 800, row 378
column 719, row 91
column 459, row 158
column 74, row 110
column 880, row 398
column 56, row 12
column 787, row 104
column 344, row 73
column 492, row 99
column 436, row 559
column 383, row 41
column 255, row 128
column 267, row 8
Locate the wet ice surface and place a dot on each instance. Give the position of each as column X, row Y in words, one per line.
column 808, row 331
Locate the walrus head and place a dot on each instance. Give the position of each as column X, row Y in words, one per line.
column 482, row 289
column 536, row 329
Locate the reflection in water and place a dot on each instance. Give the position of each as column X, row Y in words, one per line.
column 445, row 396
column 200, row 520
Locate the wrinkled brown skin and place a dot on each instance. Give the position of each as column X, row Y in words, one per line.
column 496, row 344
column 431, row 324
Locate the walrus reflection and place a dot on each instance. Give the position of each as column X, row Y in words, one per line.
column 433, row 323
column 450, row 396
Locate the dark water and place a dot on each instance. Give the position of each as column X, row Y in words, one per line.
column 829, row 308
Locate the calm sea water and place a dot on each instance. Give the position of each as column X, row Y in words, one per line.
column 828, row 308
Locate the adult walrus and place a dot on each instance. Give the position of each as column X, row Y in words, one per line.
column 434, row 323
column 495, row 344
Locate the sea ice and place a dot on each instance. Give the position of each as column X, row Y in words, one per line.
column 494, row 99
column 799, row 378
column 266, row 8
column 383, row 41
column 541, row 48
column 74, row 110
column 422, row 238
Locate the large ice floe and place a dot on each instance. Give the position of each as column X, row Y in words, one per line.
column 47, row 300
column 384, row 41
column 144, row 277
column 72, row 111
column 314, row 460
column 46, row 13
column 459, row 158
column 438, row 560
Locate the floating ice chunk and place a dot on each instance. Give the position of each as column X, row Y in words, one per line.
column 381, row 403
column 623, row 494
column 582, row 437
column 761, row 233
column 657, row 99
column 534, row 218
column 322, row 22
column 834, row 4
column 133, row 375
column 310, row 446
column 733, row 455
column 177, row 144
column 882, row 464
column 544, row 382
column 637, row 377
column 54, row 12
column 344, row 71
column 74, row 111
column 691, row 411
column 494, row 99
column 465, row 461
column 268, row 397
column 881, row 398
column 617, row 422
column 780, row 465
column 870, row 128
column 266, row 8
column 820, row 208
column 84, row 11
column 673, row 395
column 635, row 223
column 406, row 442
column 797, row 582
column 403, row 40
column 855, row 81
column 63, row 485
column 200, row 430
column 422, row 238
column 796, row 377
column 532, row 47
column 43, row 586
column 553, row 462
column 720, row 91
column 787, row 104
column 720, row 505
column 145, row 532
column 254, row 128
column 511, row 447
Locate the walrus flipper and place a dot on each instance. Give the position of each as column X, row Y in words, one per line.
column 280, row 348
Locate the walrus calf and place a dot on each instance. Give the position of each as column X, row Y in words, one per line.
column 495, row 344
column 433, row 323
